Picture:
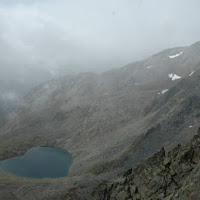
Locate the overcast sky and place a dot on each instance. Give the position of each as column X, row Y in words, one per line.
column 85, row 35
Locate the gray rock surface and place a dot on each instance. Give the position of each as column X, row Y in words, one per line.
column 171, row 176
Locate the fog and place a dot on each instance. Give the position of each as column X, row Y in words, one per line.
column 41, row 39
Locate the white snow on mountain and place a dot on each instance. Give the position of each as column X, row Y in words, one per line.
column 174, row 77
column 149, row 66
column 191, row 73
column 176, row 55
column 163, row 91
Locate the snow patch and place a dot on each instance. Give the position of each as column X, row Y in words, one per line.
column 190, row 126
column 149, row 66
column 163, row 91
column 191, row 73
column 174, row 77
column 176, row 55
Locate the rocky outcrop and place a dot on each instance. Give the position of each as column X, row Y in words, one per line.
column 168, row 176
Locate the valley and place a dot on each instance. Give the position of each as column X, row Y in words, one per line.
column 109, row 122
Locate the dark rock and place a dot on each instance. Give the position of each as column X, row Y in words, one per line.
column 163, row 176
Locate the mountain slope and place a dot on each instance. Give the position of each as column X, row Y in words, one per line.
column 111, row 121
column 164, row 176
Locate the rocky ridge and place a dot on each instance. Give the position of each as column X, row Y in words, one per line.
column 164, row 176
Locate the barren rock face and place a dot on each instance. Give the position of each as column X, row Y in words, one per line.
column 163, row 176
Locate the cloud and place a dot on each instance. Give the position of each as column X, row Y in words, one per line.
column 86, row 36
column 11, row 96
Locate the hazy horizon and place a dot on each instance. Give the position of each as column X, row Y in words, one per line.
column 40, row 37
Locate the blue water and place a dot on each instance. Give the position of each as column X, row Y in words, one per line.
column 40, row 162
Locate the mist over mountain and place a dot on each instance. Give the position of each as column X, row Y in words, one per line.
column 112, row 84
column 109, row 122
column 45, row 39
column 41, row 40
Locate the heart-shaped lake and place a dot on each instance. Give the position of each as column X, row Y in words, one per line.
column 40, row 162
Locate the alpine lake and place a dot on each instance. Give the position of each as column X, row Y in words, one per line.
column 39, row 162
